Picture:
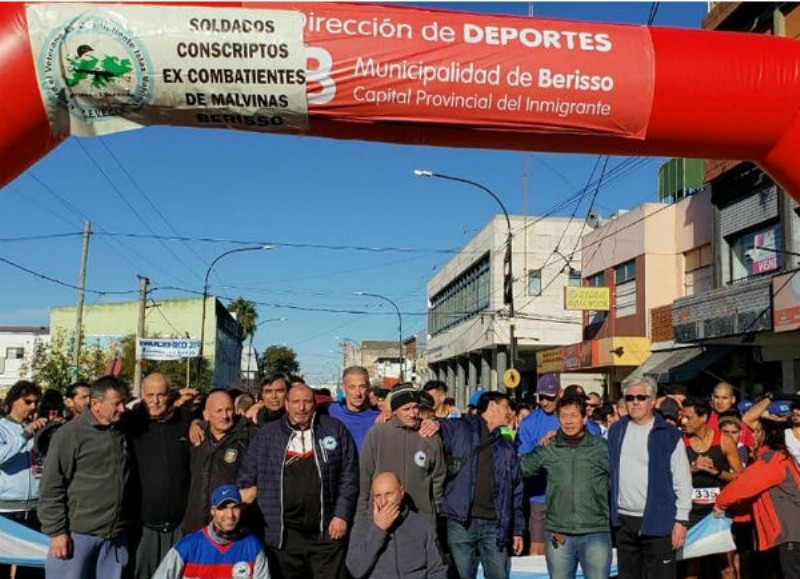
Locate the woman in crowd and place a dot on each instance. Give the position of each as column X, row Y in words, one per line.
column 771, row 487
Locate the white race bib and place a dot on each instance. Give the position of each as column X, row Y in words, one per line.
column 705, row 496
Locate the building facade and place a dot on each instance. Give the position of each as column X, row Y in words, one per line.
column 468, row 318
column 751, row 306
column 646, row 258
column 17, row 345
column 106, row 324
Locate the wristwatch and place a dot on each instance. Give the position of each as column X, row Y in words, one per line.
column 684, row 524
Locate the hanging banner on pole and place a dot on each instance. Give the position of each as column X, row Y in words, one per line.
column 166, row 349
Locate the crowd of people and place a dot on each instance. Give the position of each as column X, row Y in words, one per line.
column 290, row 483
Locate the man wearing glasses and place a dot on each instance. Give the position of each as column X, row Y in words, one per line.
column 651, row 487
column 20, row 467
column 531, row 432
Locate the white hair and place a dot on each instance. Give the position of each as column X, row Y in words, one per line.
column 649, row 383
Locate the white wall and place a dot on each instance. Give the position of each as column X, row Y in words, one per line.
column 10, row 368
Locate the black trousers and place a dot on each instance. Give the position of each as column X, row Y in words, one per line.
column 643, row 556
column 307, row 557
column 789, row 556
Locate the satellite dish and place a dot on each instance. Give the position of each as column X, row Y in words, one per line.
column 594, row 220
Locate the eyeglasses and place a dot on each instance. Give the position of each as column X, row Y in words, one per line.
column 545, row 397
column 639, row 397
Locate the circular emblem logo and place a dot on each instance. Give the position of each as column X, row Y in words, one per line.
column 329, row 443
column 420, row 458
column 95, row 68
column 241, row 570
column 230, row 455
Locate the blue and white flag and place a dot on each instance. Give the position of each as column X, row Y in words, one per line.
column 709, row 536
column 20, row 545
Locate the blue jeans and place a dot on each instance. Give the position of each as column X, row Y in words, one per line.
column 92, row 558
column 592, row 551
column 477, row 542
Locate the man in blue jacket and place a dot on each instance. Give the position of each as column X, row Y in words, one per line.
column 651, row 487
column 483, row 500
column 532, row 430
column 303, row 469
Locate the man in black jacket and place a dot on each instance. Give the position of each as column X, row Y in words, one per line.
column 159, row 440
column 303, row 469
column 216, row 460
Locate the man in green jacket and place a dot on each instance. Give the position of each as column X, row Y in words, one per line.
column 577, row 520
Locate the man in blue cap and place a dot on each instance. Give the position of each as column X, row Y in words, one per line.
column 532, row 430
column 220, row 548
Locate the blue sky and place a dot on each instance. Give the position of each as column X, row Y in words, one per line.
column 317, row 200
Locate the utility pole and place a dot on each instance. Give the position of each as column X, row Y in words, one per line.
column 77, row 336
column 137, row 369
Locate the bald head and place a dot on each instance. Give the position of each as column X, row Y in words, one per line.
column 387, row 490
column 218, row 412
column 723, row 397
column 155, row 394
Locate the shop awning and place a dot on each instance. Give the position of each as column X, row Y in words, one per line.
column 681, row 365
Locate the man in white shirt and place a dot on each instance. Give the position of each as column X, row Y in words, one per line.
column 651, row 487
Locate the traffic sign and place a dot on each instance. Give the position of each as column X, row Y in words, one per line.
column 511, row 378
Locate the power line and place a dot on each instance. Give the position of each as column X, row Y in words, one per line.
column 98, row 229
column 372, row 249
column 152, row 205
column 133, row 209
column 654, row 6
column 61, row 282
column 40, row 237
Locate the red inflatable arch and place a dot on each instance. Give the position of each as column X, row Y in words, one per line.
column 390, row 73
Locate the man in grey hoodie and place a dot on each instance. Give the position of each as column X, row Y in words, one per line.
column 398, row 447
column 395, row 541
column 82, row 493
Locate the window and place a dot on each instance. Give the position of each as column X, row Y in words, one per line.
column 15, row 353
column 697, row 270
column 462, row 298
column 750, row 253
column 697, row 258
column 574, row 278
column 626, row 272
column 535, row 282
column 596, row 280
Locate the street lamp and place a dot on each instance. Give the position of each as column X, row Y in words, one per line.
column 205, row 294
column 508, row 278
column 400, row 322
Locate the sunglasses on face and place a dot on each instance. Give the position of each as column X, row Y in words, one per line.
column 639, row 397
column 548, row 398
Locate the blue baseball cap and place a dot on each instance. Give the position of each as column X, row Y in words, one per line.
column 225, row 494
column 780, row 408
column 744, row 406
column 473, row 400
column 548, row 385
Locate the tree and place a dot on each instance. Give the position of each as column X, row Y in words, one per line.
column 51, row 364
column 280, row 359
column 246, row 315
